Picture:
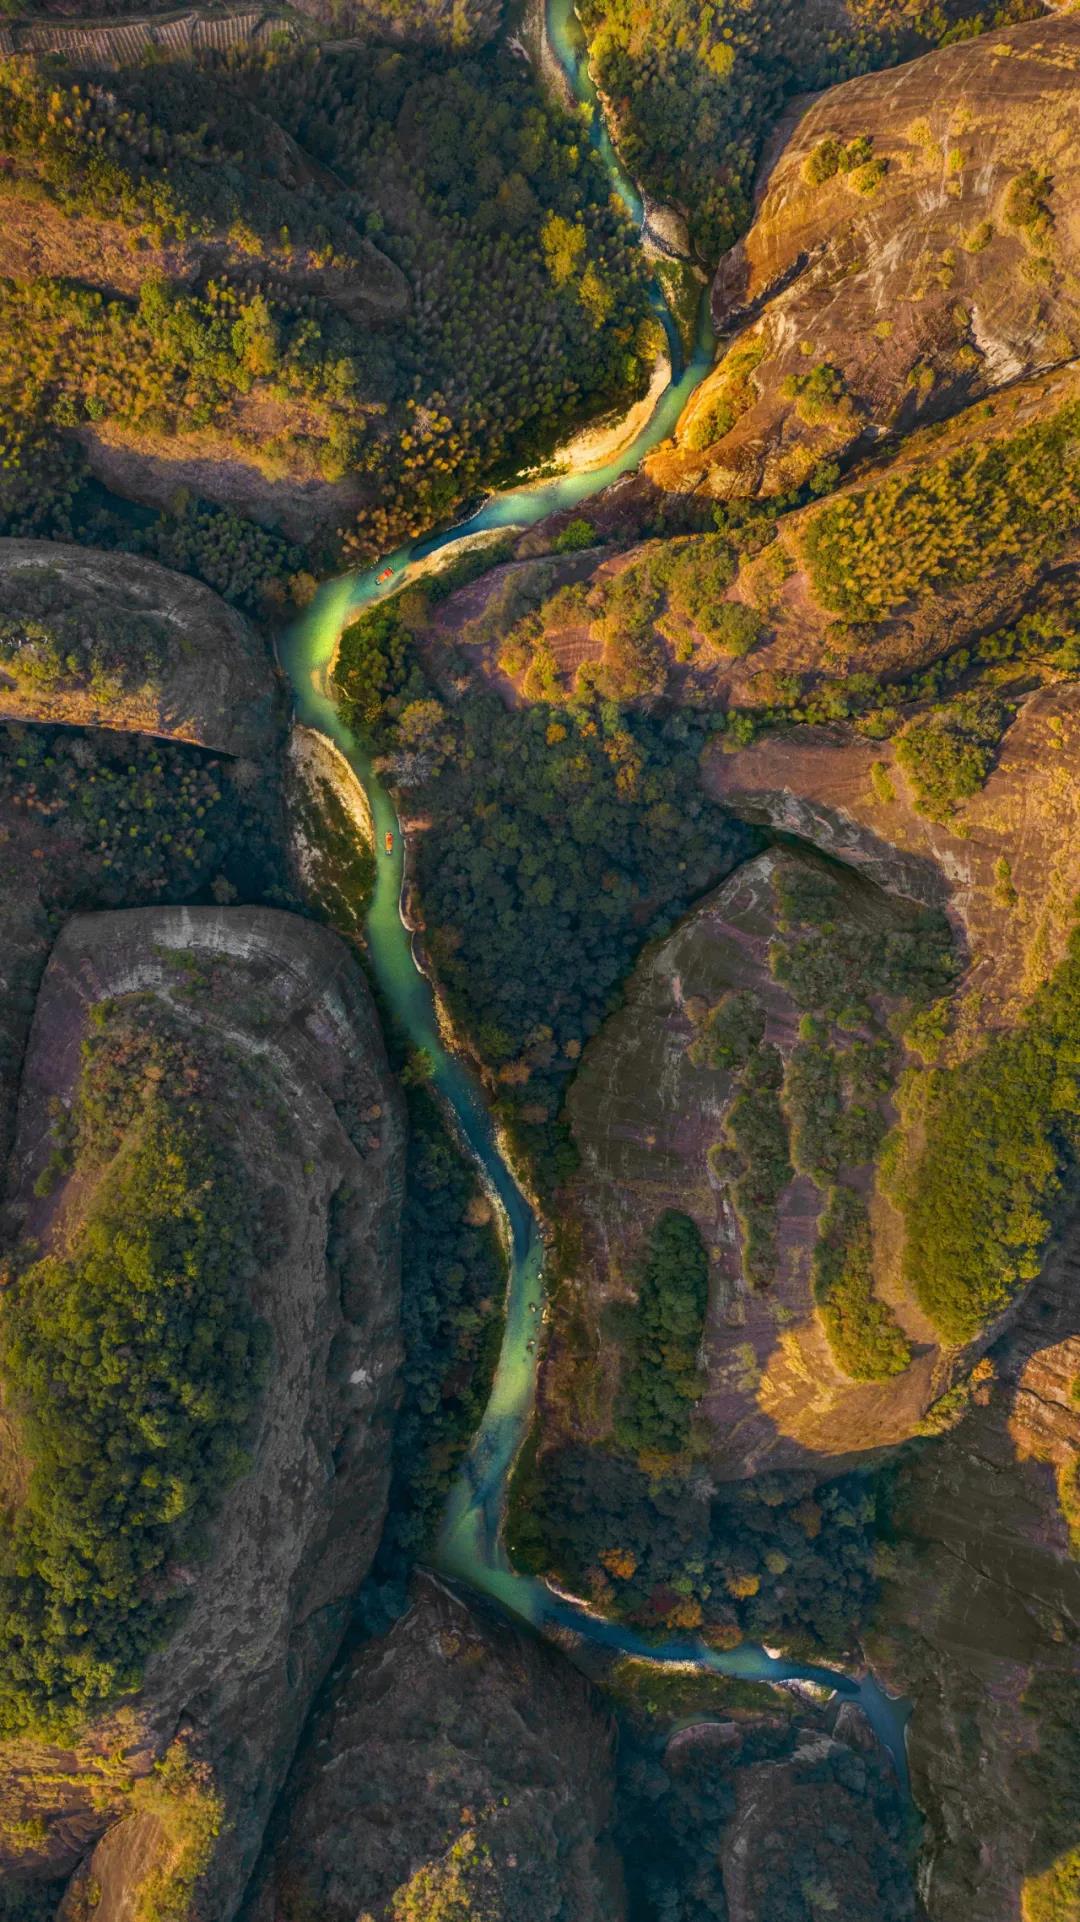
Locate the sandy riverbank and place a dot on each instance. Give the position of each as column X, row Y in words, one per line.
column 597, row 446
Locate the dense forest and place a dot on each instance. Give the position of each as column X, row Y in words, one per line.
column 562, row 836
column 396, row 272
column 863, row 1332
column 133, row 1363
column 122, row 819
column 453, row 1284
column 661, row 1377
column 784, row 1558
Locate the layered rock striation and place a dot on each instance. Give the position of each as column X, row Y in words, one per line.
column 273, row 1010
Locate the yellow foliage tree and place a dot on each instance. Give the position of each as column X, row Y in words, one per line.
column 563, row 242
column 620, row 1561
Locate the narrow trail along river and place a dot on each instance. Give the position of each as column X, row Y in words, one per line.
column 470, row 1544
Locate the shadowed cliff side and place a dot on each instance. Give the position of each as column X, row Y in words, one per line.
column 979, row 1620
column 98, row 639
column 460, row 1761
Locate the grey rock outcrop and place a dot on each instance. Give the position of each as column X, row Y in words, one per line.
column 318, row 1124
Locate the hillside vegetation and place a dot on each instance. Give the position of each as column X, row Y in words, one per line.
column 937, row 585
column 873, row 550
column 134, row 1364
column 915, row 247
column 1000, row 1130
column 691, row 101
column 368, row 282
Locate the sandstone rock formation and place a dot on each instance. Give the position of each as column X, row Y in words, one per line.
column 455, row 1753
column 644, row 1115
column 105, row 639
column 278, row 1004
column 917, row 241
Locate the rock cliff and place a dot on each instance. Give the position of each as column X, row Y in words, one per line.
column 457, row 1757
column 915, row 248
column 275, row 1009
column 649, row 1111
column 104, row 639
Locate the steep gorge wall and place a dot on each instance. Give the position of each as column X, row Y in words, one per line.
column 316, row 1119
column 916, row 271
column 457, row 1754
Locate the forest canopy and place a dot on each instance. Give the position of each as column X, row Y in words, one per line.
column 1000, row 1129
column 560, row 836
column 133, row 1364
column 399, row 268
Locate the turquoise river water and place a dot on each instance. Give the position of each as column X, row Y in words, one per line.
column 471, row 1547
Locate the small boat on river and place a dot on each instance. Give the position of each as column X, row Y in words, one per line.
column 386, row 575
column 389, row 842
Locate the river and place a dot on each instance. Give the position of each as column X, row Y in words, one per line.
column 470, row 1545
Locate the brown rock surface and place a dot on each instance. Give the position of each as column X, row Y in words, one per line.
column 317, row 1121
column 454, row 1724
column 922, row 293
column 644, row 1117
column 216, row 684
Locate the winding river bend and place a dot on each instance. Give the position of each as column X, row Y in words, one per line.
column 470, row 1545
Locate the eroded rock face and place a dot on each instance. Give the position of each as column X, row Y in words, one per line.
column 454, row 1731
column 917, row 271
column 317, row 1121
column 645, row 1112
column 180, row 662
column 984, row 1603
column 819, row 783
